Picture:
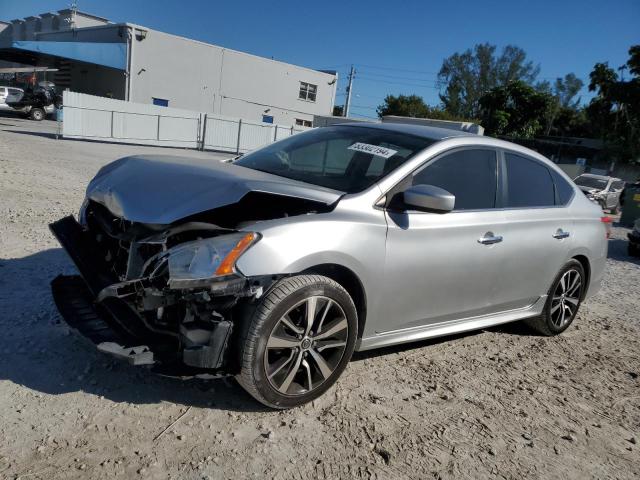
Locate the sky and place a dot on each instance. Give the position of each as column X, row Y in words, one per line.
column 396, row 46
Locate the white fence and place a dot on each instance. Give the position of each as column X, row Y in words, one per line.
column 106, row 119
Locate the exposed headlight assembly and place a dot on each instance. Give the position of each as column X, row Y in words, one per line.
column 196, row 263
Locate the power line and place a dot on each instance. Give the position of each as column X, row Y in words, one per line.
column 366, row 107
column 399, row 77
column 396, row 69
column 375, row 80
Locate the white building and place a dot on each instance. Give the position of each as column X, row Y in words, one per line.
column 131, row 62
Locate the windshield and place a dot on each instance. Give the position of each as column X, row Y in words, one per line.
column 591, row 182
column 343, row 158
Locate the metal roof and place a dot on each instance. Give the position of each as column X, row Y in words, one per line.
column 113, row 55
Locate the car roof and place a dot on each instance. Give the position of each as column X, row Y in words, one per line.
column 431, row 133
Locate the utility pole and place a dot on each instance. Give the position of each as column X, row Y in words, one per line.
column 347, row 102
column 74, row 12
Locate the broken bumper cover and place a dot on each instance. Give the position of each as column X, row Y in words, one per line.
column 113, row 325
column 76, row 305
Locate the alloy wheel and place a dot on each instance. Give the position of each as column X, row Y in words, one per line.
column 306, row 345
column 566, row 298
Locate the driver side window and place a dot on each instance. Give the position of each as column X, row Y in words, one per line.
column 470, row 175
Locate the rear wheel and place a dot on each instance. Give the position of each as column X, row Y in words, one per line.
column 633, row 250
column 37, row 114
column 298, row 341
column 563, row 301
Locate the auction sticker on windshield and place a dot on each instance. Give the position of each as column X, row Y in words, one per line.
column 373, row 150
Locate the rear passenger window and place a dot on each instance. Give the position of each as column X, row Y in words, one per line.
column 529, row 183
column 564, row 191
column 469, row 174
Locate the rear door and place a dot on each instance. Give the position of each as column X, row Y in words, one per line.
column 436, row 267
column 538, row 234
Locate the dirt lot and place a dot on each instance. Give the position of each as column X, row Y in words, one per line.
column 502, row 403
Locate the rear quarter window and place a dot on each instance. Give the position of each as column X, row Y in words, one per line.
column 564, row 190
column 529, row 183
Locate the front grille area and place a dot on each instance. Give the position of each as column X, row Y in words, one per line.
column 114, row 237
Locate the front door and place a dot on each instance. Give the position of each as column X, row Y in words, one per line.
column 443, row 267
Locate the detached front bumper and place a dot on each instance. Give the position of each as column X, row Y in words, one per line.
column 113, row 325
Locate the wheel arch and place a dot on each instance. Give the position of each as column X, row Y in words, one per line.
column 350, row 282
column 584, row 261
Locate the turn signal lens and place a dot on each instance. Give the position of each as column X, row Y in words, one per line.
column 227, row 265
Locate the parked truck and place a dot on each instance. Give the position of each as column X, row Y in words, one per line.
column 36, row 102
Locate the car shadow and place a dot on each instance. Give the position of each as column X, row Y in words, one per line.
column 34, row 134
column 618, row 251
column 39, row 352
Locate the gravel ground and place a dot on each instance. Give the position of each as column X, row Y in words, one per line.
column 500, row 403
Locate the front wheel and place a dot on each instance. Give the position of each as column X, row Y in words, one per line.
column 298, row 341
column 37, row 114
column 563, row 300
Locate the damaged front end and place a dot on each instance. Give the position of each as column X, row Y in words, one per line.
column 156, row 244
column 162, row 295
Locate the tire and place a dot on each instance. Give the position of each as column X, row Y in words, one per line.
column 633, row 251
column 615, row 210
column 550, row 323
column 265, row 373
column 37, row 114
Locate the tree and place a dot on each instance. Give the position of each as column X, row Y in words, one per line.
column 465, row 77
column 515, row 110
column 614, row 112
column 412, row 106
column 564, row 110
column 404, row 105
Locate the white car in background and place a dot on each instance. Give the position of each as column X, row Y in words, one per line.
column 6, row 92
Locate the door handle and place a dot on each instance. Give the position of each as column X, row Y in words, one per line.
column 489, row 239
column 561, row 234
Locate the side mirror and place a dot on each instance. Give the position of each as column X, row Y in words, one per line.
column 429, row 198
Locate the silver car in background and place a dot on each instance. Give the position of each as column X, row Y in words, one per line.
column 277, row 266
column 603, row 190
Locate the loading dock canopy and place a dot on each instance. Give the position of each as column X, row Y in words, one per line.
column 112, row 55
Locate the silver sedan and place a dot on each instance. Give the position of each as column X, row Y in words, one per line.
column 277, row 266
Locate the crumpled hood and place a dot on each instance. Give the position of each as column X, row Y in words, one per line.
column 162, row 189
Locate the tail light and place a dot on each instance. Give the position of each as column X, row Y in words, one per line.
column 607, row 225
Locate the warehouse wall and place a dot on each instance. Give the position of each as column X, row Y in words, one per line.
column 184, row 72
column 199, row 76
column 96, row 80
